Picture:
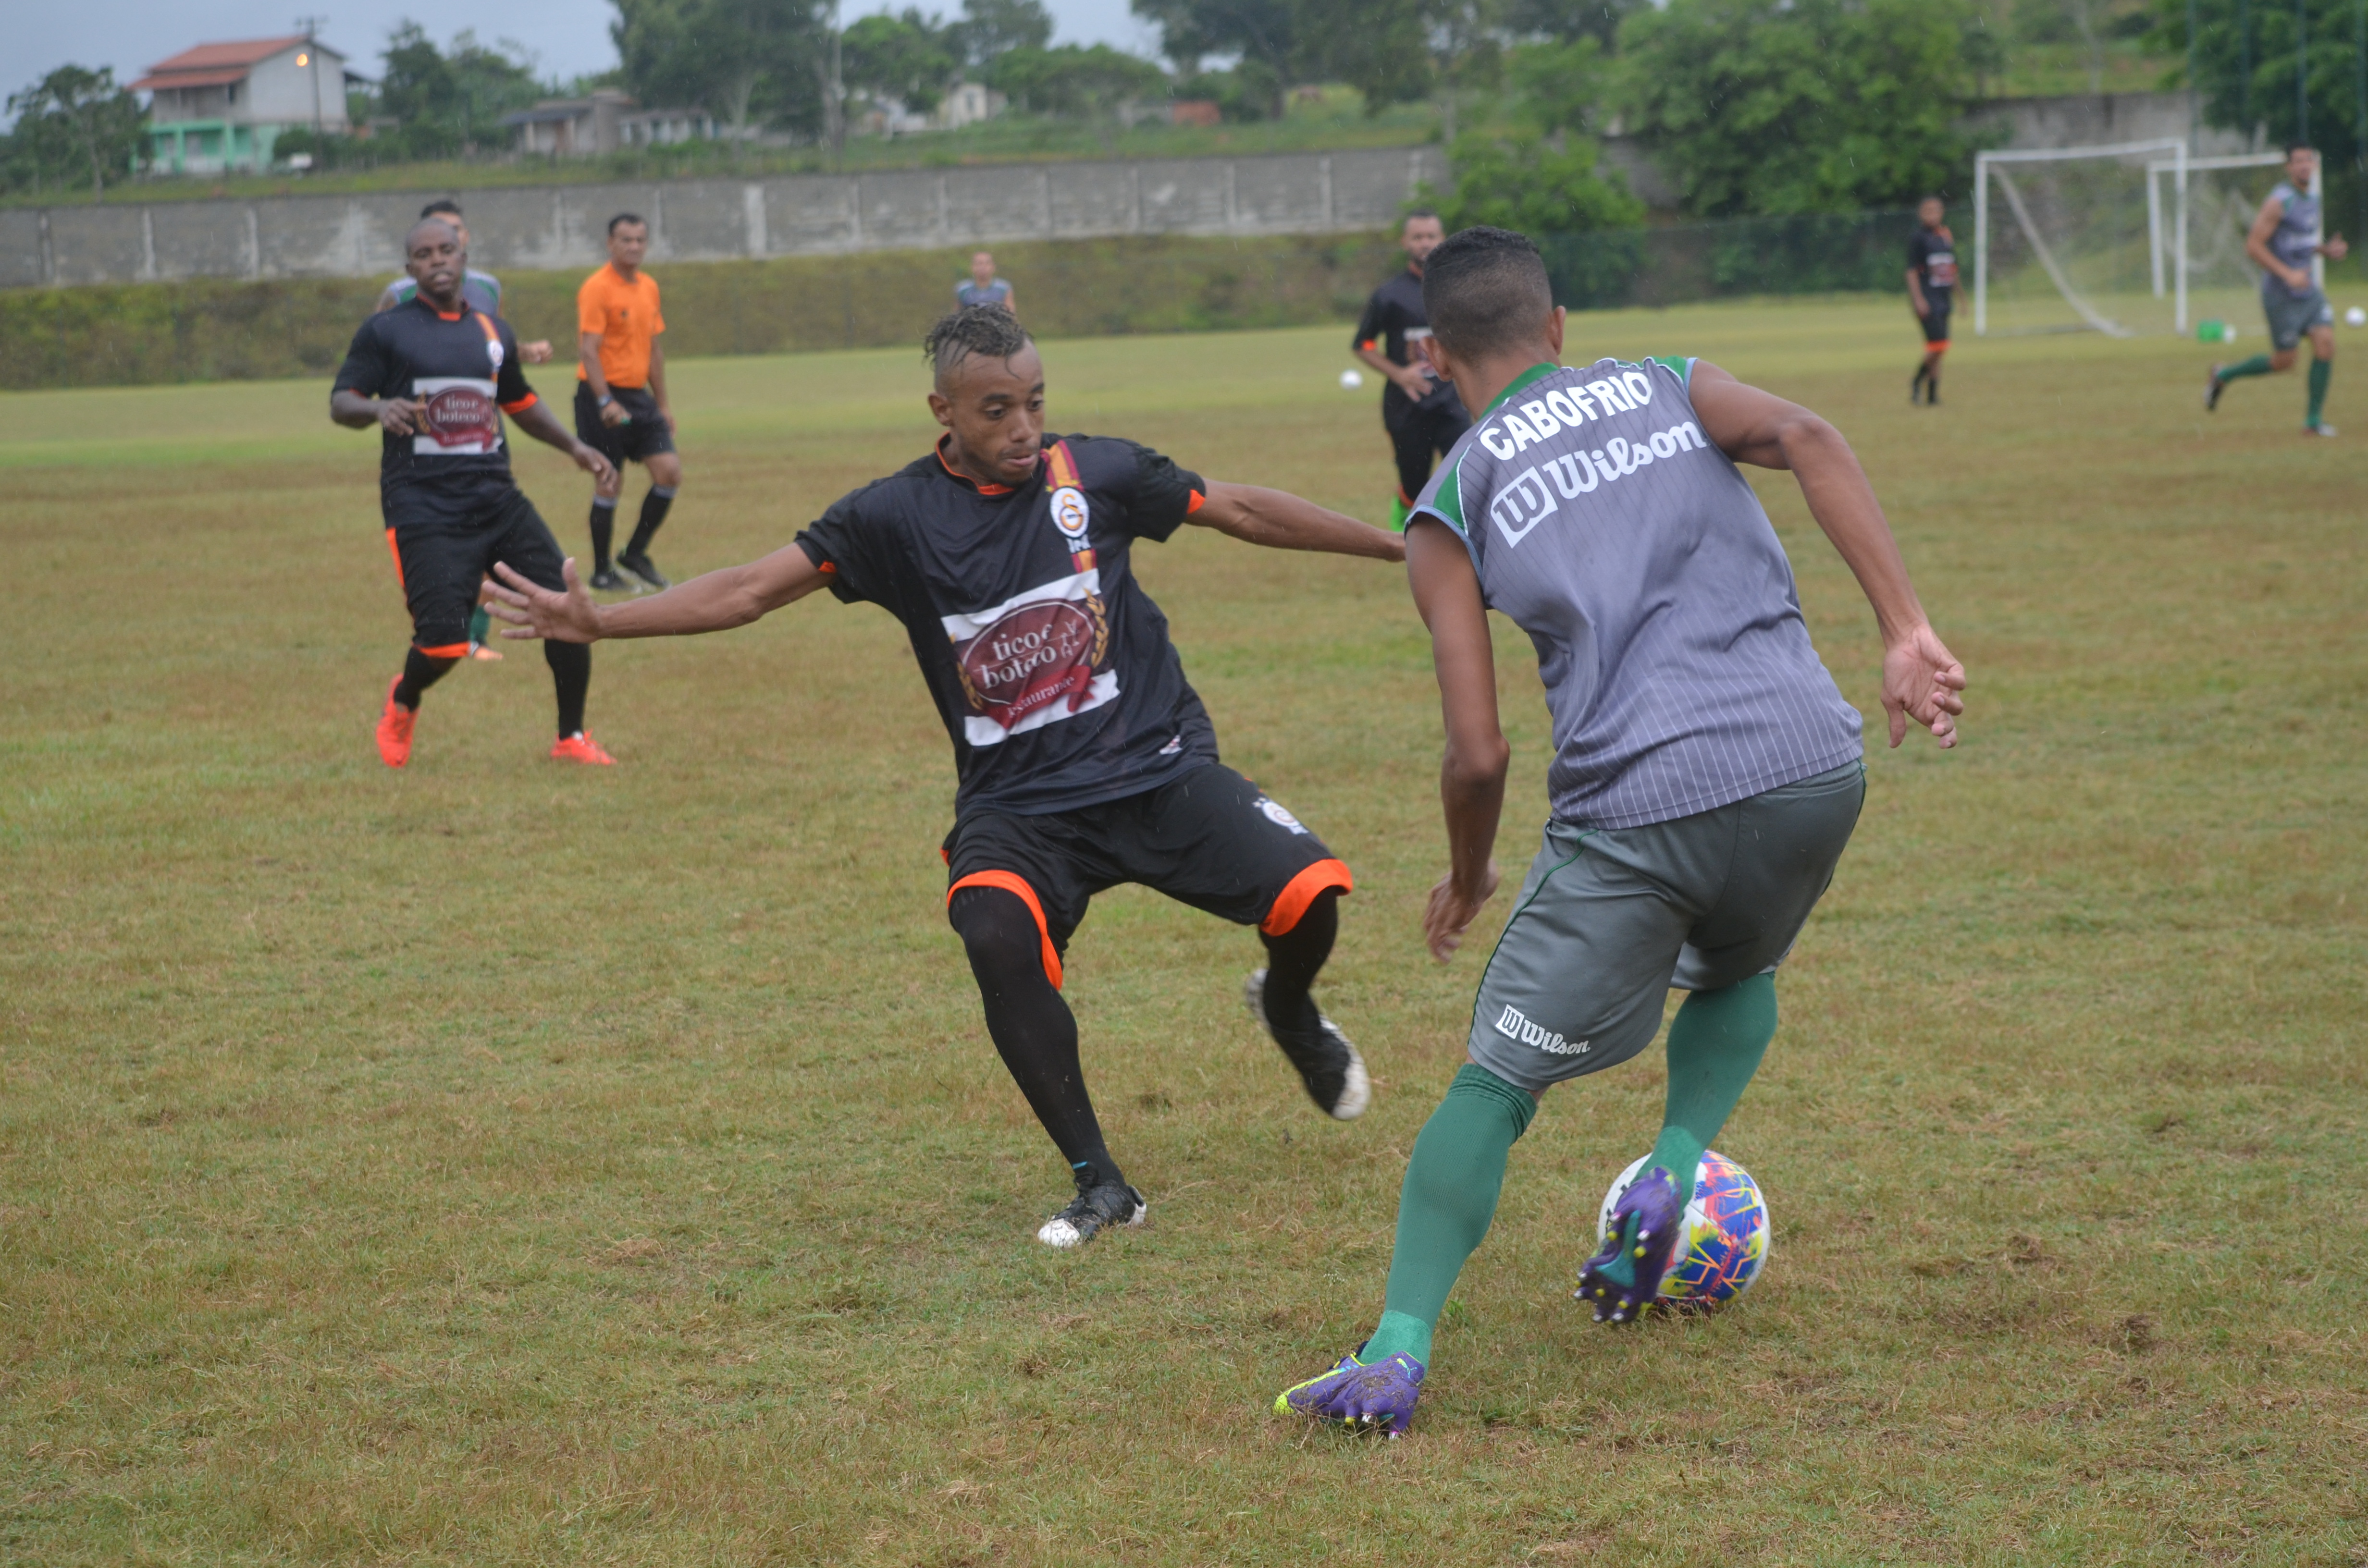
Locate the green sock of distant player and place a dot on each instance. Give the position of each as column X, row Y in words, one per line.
column 2320, row 370
column 1451, row 1182
column 2258, row 365
column 1716, row 1044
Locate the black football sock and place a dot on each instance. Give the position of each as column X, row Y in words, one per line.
column 571, row 676
column 653, row 511
column 604, row 528
column 1033, row 1031
column 419, row 672
column 1293, row 960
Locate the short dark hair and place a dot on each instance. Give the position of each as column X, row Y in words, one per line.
column 2294, row 147
column 1414, row 213
column 987, row 330
column 445, row 205
column 627, row 218
column 1484, row 289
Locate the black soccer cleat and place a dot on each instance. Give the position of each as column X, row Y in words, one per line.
column 1328, row 1064
column 1094, row 1209
column 1915, row 387
column 641, row 567
column 2213, row 387
column 606, row 581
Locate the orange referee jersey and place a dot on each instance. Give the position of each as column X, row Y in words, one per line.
column 626, row 316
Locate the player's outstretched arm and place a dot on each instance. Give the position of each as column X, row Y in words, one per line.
column 1280, row 520
column 1921, row 679
column 537, row 420
column 1472, row 773
column 716, row 601
column 359, row 411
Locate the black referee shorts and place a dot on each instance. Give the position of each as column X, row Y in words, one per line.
column 1418, row 438
column 644, row 438
column 1935, row 322
column 1210, row 838
column 443, row 553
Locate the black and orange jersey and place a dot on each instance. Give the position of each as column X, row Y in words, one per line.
column 1050, row 667
column 465, row 368
column 1394, row 323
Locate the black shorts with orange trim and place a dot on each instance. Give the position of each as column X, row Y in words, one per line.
column 1210, row 838
column 443, row 553
column 1936, row 323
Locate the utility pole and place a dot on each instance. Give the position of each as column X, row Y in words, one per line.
column 834, row 113
column 312, row 26
column 2302, row 70
column 2245, row 72
column 2194, row 111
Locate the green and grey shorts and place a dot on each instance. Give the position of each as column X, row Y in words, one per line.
column 1609, row 920
column 2292, row 319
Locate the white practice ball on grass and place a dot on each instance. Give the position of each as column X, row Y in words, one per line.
column 1351, row 380
column 2355, row 316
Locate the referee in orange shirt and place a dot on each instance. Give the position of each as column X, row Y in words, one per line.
column 620, row 400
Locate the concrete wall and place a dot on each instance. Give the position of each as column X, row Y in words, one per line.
column 550, row 227
column 2090, row 120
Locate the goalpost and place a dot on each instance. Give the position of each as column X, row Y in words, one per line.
column 2124, row 239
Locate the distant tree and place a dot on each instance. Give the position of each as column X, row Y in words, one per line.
column 1800, row 105
column 910, row 59
column 77, row 117
column 1075, row 80
column 1535, row 169
column 748, row 63
column 1380, row 47
column 990, row 27
column 1566, row 21
column 446, row 102
column 2246, row 69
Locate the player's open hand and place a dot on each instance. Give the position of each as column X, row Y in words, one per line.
column 537, row 352
column 588, row 459
column 1452, row 912
column 535, row 611
column 404, row 417
column 1923, row 681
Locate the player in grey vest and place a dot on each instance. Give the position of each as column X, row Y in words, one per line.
column 2283, row 242
column 1706, row 771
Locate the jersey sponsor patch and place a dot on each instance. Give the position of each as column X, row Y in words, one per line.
column 1031, row 661
column 462, row 418
column 1278, row 813
column 1071, row 514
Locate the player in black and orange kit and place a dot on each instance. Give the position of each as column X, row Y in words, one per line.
column 1931, row 284
column 1421, row 411
column 1084, row 757
column 436, row 376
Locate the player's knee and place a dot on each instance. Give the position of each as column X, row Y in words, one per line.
column 996, row 930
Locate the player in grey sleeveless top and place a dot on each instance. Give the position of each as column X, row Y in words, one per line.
column 2283, row 242
column 1706, row 773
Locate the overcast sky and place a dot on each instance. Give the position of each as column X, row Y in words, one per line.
column 568, row 37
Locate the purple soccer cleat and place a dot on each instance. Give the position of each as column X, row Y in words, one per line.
column 1379, row 1397
column 1646, row 1224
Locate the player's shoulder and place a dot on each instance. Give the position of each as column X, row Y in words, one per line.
column 1103, row 460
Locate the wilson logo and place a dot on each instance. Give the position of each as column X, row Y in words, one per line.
column 1514, row 1026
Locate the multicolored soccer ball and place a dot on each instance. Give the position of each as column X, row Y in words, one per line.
column 1725, row 1244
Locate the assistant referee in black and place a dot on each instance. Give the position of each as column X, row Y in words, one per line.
column 1419, row 410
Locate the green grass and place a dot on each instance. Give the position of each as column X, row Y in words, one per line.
column 495, row 1162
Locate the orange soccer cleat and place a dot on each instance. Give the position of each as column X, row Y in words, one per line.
column 394, row 722
column 581, row 747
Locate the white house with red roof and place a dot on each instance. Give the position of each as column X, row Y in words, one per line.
column 221, row 106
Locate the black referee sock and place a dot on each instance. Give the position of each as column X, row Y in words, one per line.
column 1293, row 960
column 604, row 530
column 419, row 672
column 571, row 676
column 653, row 511
column 1033, row 1031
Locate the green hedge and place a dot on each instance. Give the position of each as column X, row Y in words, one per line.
column 214, row 329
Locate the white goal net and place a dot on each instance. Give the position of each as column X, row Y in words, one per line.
column 2139, row 238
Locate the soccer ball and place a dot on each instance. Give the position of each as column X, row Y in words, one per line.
column 1351, row 380
column 2355, row 316
column 1725, row 1243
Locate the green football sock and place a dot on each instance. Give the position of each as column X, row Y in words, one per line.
column 2320, row 370
column 1451, row 1182
column 1716, row 1044
column 480, row 623
column 2258, row 365
column 1397, row 514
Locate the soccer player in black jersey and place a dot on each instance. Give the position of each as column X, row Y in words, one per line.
column 1420, row 410
column 1931, row 284
column 436, row 376
column 1085, row 761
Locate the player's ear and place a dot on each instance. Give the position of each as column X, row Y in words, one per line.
column 941, row 409
column 1554, row 324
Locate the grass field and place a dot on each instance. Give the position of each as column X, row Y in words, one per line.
column 499, row 1163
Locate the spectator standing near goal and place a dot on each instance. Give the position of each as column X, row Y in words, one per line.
column 984, row 287
column 1421, row 413
column 2282, row 243
column 1932, row 285
column 621, row 410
